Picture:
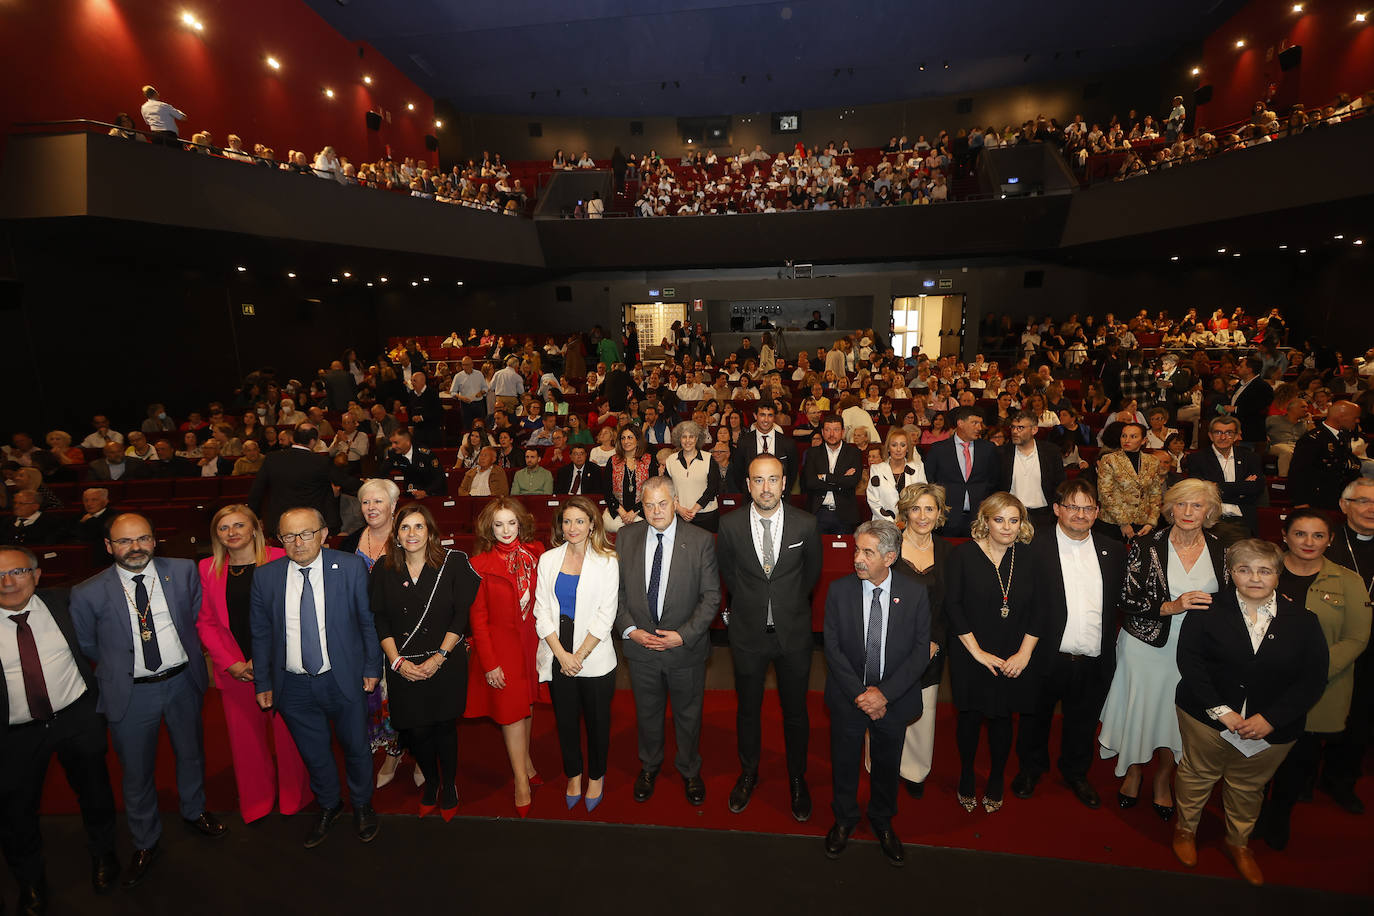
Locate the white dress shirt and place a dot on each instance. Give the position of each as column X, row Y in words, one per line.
column 766, row 442
column 1025, row 478
column 164, row 629
column 885, row 602
column 158, row 115
column 60, row 674
column 1082, row 595
column 294, row 581
column 507, row 383
column 1228, row 474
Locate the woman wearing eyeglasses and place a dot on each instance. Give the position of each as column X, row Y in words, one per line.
column 421, row 595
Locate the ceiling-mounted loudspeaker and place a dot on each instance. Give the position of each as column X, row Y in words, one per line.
column 374, row 120
column 1202, row 95
column 431, row 143
column 1290, row 57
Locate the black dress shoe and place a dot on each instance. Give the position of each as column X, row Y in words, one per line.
column 207, row 825
column 323, row 822
column 1125, row 801
column 695, row 788
column 1083, row 791
column 1023, row 786
column 836, row 840
column 892, row 847
column 644, row 785
column 801, row 800
column 1345, row 798
column 366, row 823
column 138, row 866
column 104, row 872
column 744, row 788
column 33, row 899
column 914, row 789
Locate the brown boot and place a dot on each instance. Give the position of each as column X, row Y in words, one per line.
column 1245, row 863
column 1185, row 846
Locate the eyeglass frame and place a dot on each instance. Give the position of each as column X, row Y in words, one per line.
column 289, row 539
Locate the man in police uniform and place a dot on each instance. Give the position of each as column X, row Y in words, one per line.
column 416, row 470
column 1322, row 461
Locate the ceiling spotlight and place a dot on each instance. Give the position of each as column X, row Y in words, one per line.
column 367, row 80
column 460, row 282
column 1221, row 251
column 1358, row 242
column 291, row 274
column 1338, row 237
column 1196, row 71
column 381, row 279
column 1297, row 7
column 922, row 66
column 329, row 93
column 438, row 125
column 1302, row 251
column 274, row 63
column 410, row 106
column 369, row 282
column 188, row 19
column 1174, row 258
column 946, row 65
column 347, row 275
column 1283, row 248
column 1240, row 42
column 333, row 279
column 426, row 279
column 241, row 268
column 1360, row 17
column 1235, row 254
column 414, row 283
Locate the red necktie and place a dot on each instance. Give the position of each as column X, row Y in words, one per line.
column 576, row 482
column 968, row 460
column 765, row 444
column 35, row 688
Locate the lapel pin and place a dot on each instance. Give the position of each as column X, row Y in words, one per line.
column 334, row 566
column 896, row 600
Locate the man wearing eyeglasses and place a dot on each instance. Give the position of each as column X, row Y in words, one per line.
column 1081, row 571
column 1238, row 474
column 48, row 694
column 137, row 622
column 1031, row 470
column 312, row 627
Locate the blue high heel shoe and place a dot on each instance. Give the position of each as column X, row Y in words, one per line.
column 572, row 800
column 593, row 802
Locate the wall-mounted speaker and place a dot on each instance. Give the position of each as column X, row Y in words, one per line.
column 431, row 142
column 374, row 120
column 1290, row 57
column 1202, row 95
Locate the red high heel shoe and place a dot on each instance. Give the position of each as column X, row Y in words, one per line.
column 536, row 781
column 451, row 811
column 523, row 810
column 426, row 809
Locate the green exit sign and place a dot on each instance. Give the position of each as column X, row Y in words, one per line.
column 669, row 291
column 946, row 284
column 249, row 309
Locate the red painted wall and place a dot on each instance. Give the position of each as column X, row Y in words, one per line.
column 89, row 59
column 1337, row 56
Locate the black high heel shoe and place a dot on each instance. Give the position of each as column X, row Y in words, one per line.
column 1165, row 812
column 1126, row 801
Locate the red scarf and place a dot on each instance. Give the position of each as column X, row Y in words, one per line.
column 521, row 563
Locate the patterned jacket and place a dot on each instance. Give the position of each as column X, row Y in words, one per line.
column 1128, row 498
column 1147, row 584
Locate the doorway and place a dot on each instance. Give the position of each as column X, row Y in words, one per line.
column 935, row 323
column 653, row 321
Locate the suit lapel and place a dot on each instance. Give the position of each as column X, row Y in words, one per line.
column 118, row 599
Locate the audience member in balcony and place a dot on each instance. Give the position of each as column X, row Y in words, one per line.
column 485, row 478
column 102, row 433
column 161, row 118
column 234, row 149
column 138, row 446
column 60, row 446
column 327, row 165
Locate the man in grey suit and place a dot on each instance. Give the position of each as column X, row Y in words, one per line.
column 770, row 559
column 137, row 622
column 669, row 592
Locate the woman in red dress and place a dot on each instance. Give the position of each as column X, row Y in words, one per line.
column 503, row 682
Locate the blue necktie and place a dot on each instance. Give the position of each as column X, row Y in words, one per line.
column 654, row 577
column 312, row 656
column 143, row 605
column 873, row 644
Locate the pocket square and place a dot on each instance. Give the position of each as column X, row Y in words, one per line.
column 334, row 566
column 798, row 544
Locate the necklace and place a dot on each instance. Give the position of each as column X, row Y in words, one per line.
column 240, row 569
column 1006, row 588
column 914, row 541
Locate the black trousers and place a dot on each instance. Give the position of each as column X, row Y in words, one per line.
column 1078, row 684
column 579, row 700
column 1296, row 774
column 828, row 521
column 968, row 729
column 885, row 739
column 435, row 749
column 793, row 671
column 165, row 138
column 657, row 681
column 77, row 737
column 708, row 520
column 1344, row 755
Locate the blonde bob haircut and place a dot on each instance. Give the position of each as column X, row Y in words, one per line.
column 896, row 432
column 909, row 496
column 1001, row 502
column 1190, row 489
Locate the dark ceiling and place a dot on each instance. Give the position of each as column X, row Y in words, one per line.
column 599, row 58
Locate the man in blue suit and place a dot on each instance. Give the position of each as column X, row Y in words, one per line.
column 313, row 632
column 967, row 466
column 877, row 645
column 137, row 622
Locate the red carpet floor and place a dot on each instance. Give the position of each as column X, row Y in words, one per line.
column 1330, row 850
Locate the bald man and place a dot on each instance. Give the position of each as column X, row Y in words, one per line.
column 1322, row 461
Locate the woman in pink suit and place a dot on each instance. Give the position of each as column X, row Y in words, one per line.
column 226, row 580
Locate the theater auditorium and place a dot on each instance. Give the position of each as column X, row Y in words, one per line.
column 741, row 456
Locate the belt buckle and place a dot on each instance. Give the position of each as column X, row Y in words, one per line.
column 770, row 628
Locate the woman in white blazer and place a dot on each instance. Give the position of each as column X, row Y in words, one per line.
column 576, row 596
column 887, row 479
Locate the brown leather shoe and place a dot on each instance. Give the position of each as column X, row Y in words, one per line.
column 1185, row 846
column 1245, row 863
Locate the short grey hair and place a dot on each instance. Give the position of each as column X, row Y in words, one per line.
column 888, row 535
column 662, row 480
column 380, row 486
column 687, row 428
column 1349, row 491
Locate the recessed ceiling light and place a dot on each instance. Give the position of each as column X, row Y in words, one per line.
column 241, row 268
column 1174, row 258
column 381, row 279
column 333, row 279
column 1240, row 42
column 1221, row 251
column 1282, row 247
column 274, row 63
column 1359, row 241
column 329, row 93
column 347, row 275
column 410, row 106
column 1196, row 71
column 1235, row 254
column 1297, row 7
column 1359, row 17
column 367, row 80
column 460, row 282
column 438, row 125
column 291, row 274
column 369, row 282
column 1338, row 237
column 414, row 282
column 1302, row 251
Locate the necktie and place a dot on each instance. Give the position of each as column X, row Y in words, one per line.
column 143, row 605
column 765, row 445
column 655, row 575
column 968, row 460
column 35, row 688
column 873, row 642
column 312, row 656
column 576, row 482
column 768, row 559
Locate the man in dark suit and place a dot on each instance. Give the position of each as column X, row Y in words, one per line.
column 618, row 387
column 425, row 412
column 947, row 463
column 669, row 593
column 53, row 713
column 339, row 388
column 770, row 558
column 764, row 438
column 1250, row 402
column 1081, row 572
column 298, row 476
column 169, row 463
column 1032, row 470
column 579, row 475
column 137, row 622
column 318, row 657
column 1322, row 460
column 89, row 529
column 211, row 459
column 30, row 525
column 115, row 465
column 830, row 473
column 877, row 644
column 1238, row 474
column 415, row 469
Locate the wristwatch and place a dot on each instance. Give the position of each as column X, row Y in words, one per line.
column 443, row 652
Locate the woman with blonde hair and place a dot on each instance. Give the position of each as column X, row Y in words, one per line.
column 1175, row 570
column 60, row 444
column 997, row 621
column 503, row 682
column 901, row 466
column 226, row 583
column 576, row 598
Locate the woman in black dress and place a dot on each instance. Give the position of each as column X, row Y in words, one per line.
column 997, row 624
column 421, row 595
